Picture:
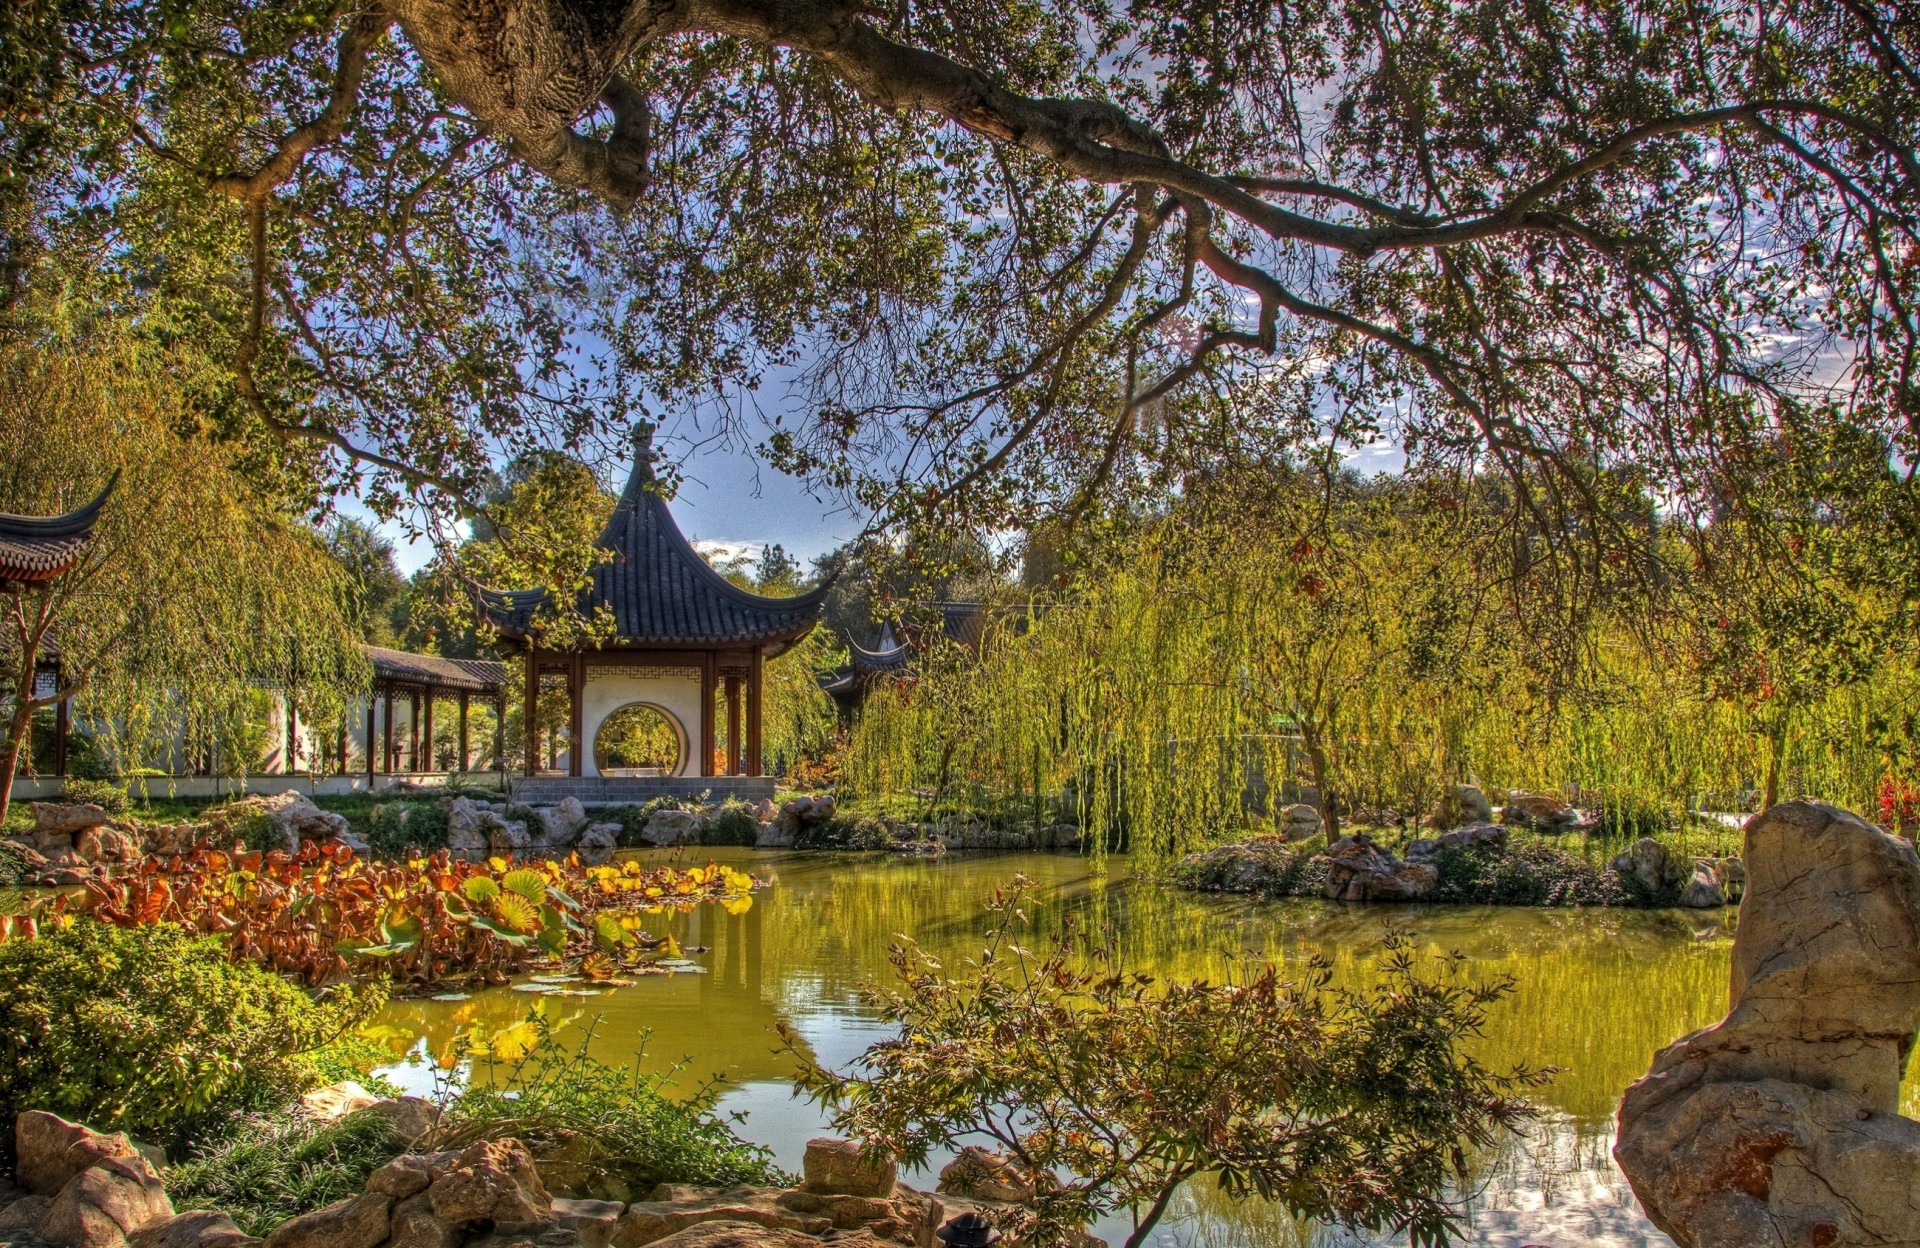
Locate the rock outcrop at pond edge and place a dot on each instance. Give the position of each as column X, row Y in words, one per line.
column 1779, row 1125
column 88, row 1189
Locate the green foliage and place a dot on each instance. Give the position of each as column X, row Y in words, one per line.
column 1261, row 866
column 393, row 827
column 13, row 863
column 272, row 1167
column 1531, row 873
column 731, row 823
column 151, row 1030
column 1113, row 1088
column 106, row 794
column 868, row 833
column 617, row 1129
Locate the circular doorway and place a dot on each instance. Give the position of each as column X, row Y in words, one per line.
column 639, row 739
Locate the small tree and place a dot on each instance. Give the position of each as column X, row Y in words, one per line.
column 1113, row 1089
column 196, row 590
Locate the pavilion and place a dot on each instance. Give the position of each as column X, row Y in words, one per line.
column 683, row 636
column 33, row 551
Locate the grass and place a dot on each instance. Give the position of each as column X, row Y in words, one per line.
column 277, row 1166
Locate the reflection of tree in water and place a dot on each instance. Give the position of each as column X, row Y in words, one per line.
column 637, row 736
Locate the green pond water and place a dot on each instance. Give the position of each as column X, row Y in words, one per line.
column 1598, row 991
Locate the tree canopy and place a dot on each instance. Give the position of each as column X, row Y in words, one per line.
column 1029, row 254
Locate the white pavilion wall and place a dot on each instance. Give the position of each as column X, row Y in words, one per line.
column 610, row 686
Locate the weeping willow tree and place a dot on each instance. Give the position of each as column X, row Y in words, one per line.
column 197, row 591
column 1372, row 650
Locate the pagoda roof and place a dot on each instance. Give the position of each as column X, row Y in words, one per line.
column 398, row 667
column 39, row 548
column 658, row 588
column 888, row 653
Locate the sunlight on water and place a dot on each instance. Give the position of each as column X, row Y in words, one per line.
column 1598, row 992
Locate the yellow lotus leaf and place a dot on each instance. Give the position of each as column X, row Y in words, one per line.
column 515, row 1042
column 737, row 905
column 654, row 890
column 498, row 863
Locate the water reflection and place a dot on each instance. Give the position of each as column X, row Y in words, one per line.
column 1597, row 993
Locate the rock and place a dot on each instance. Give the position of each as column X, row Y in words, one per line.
column 1261, row 865
column 773, row 836
column 1704, row 891
column 49, row 1151
column 672, row 827
column 1648, row 861
column 412, row 1225
column 465, row 834
column 296, row 820
column 1484, row 836
column 1059, row 836
column 1463, row 804
column 982, row 1174
column 198, row 1228
column 1780, row 1124
column 1359, row 870
column 356, row 1222
column 765, row 811
column 413, row 1118
column 729, row 1234
column 25, row 1213
column 675, row 1209
column 802, row 813
column 104, row 844
column 491, row 1181
column 1542, row 812
column 60, row 819
column 598, row 842
column 405, row 1176
column 592, row 1221
column 1298, row 822
column 558, row 827
column 503, row 835
column 843, row 1167
column 105, row 1203
column 335, row 1101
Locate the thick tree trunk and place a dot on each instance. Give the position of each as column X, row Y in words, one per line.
column 19, row 726
column 1317, row 760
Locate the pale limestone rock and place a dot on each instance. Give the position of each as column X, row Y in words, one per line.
column 676, row 1209
column 49, row 1151
column 598, row 842
column 1704, row 891
column 491, row 1181
column 356, row 1222
column 592, row 1221
column 1298, row 822
column 844, row 1167
column 105, row 844
column 335, row 1101
column 1779, row 1124
column 66, row 819
column 1359, row 870
column 296, row 820
column 466, row 833
column 1648, row 861
column 1463, row 804
column 672, row 827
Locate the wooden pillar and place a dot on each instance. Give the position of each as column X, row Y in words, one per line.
column 500, row 732
column 531, row 714
column 370, row 740
column 466, row 759
column 576, row 711
column 341, row 766
column 756, row 764
column 733, row 725
column 413, row 732
column 705, row 745
column 386, row 737
column 291, row 763
column 62, row 727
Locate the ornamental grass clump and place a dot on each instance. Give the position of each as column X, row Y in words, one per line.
column 276, row 1166
column 596, row 1129
column 1113, row 1088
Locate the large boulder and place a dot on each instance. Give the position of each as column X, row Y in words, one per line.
column 295, row 820
column 503, row 835
column 674, row 1209
column 1463, row 804
column 1484, row 836
column 104, row 1204
column 466, row 830
column 672, row 827
column 1359, row 870
column 492, row 1181
column 558, row 827
column 1649, row 862
column 52, row 819
column 49, row 1151
column 1541, row 812
column 1780, row 1124
column 107, row 844
column 845, row 1168
column 1298, row 822
column 198, row 1228
column 598, row 842
column 356, row 1222
column 800, row 814
column 982, row 1174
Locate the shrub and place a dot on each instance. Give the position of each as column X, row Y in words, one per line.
column 869, row 833
column 1530, row 873
column 150, row 1030
column 1115, row 1088
column 731, row 823
column 394, row 827
column 13, row 864
column 274, row 1167
column 598, row 1129
column 105, row 794
column 1265, row 867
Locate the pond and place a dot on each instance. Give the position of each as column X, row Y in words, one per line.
column 1598, row 992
